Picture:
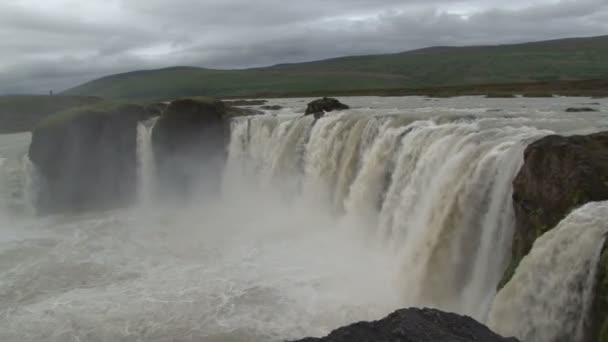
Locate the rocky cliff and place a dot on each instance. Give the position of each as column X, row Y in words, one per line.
column 560, row 174
column 87, row 158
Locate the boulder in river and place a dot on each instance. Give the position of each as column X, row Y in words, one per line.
column 580, row 110
column 87, row 158
column 415, row 325
column 321, row 106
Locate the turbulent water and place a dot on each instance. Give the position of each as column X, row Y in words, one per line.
column 561, row 266
column 397, row 202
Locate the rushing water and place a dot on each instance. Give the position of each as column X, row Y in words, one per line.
column 397, row 202
column 561, row 266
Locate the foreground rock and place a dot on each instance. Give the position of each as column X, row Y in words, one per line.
column 321, row 106
column 415, row 325
column 560, row 174
column 87, row 158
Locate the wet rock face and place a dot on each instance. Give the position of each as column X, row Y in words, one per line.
column 326, row 104
column 87, row 159
column 559, row 174
column 189, row 142
column 415, row 325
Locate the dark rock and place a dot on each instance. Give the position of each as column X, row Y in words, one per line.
column 87, row 158
column 189, row 142
column 240, row 103
column 500, row 96
column 275, row 107
column 559, row 174
column 321, row 106
column 156, row 109
column 580, row 110
column 415, row 325
column 234, row 112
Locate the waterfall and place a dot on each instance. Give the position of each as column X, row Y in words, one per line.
column 32, row 181
column 549, row 297
column 435, row 194
column 146, row 167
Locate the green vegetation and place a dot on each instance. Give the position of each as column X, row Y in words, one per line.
column 452, row 70
column 99, row 108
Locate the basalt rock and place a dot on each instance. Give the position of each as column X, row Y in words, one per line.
column 156, row 109
column 273, row 107
column 189, row 142
column 560, row 174
column 415, row 325
column 240, row 103
column 321, row 106
column 580, row 110
column 87, row 158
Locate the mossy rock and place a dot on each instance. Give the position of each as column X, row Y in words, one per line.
column 87, row 158
column 189, row 141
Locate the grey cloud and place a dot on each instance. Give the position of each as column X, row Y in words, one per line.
column 70, row 42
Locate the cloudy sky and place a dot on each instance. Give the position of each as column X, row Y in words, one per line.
column 56, row 44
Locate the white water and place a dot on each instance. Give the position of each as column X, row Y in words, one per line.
column 319, row 225
column 146, row 169
column 435, row 196
column 550, row 294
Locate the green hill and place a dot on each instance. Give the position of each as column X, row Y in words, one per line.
column 548, row 61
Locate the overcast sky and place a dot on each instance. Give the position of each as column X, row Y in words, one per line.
column 56, row 44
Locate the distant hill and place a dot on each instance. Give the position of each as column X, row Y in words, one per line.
column 547, row 61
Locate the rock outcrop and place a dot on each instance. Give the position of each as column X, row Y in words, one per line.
column 319, row 107
column 87, row 158
column 189, row 142
column 273, row 107
column 560, row 174
column 580, row 110
column 415, row 325
column 156, row 109
column 240, row 103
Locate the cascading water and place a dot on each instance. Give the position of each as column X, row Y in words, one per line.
column 146, row 167
column 550, row 294
column 321, row 223
column 18, row 180
column 436, row 195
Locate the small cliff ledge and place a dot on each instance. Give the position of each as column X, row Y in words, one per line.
column 415, row 325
